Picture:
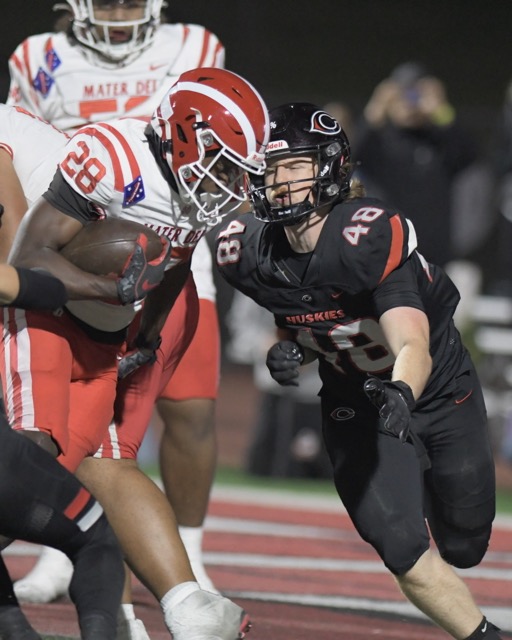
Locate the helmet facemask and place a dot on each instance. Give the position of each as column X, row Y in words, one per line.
column 93, row 30
column 214, row 183
column 213, row 129
column 303, row 130
column 324, row 190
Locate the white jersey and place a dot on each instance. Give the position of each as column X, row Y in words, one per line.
column 60, row 81
column 35, row 147
column 112, row 166
column 202, row 271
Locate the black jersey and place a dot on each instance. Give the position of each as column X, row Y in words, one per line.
column 365, row 262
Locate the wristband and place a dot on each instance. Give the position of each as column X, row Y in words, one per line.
column 39, row 290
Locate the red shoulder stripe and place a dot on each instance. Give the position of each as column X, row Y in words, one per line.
column 132, row 160
column 17, row 62
column 118, row 173
column 186, row 33
column 48, row 45
column 397, row 243
column 204, row 52
column 119, row 181
column 218, row 50
column 26, row 60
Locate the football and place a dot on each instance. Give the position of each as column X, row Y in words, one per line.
column 104, row 246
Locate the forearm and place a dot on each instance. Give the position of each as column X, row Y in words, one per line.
column 79, row 284
column 406, row 330
column 30, row 289
column 10, row 284
column 42, row 233
column 413, row 366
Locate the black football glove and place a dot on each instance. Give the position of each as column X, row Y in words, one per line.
column 140, row 276
column 395, row 402
column 283, row 361
column 144, row 353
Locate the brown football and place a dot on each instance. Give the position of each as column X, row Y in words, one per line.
column 104, row 246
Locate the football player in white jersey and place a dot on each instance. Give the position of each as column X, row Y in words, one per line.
column 180, row 174
column 116, row 59
column 30, row 479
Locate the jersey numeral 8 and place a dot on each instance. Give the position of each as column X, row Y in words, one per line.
column 90, row 174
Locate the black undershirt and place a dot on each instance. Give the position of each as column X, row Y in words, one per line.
column 297, row 263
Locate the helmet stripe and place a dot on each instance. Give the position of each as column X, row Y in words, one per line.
column 228, row 104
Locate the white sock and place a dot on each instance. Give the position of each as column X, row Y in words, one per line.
column 192, row 538
column 126, row 612
column 177, row 594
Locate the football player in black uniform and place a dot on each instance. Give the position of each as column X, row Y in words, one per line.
column 403, row 416
column 42, row 502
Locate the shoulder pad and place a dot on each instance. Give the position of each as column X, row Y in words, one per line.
column 92, row 166
column 375, row 240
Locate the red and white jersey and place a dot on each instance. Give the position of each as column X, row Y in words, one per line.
column 63, row 83
column 34, row 146
column 202, row 270
column 112, row 166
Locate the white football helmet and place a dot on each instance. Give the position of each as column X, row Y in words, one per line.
column 93, row 32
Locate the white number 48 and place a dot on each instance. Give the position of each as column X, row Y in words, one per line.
column 353, row 233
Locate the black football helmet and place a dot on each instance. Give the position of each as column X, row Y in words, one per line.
column 301, row 128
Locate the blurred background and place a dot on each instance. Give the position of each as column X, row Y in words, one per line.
column 335, row 49
column 336, row 53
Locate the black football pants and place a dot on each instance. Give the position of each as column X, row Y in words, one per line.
column 388, row 493
column 41, row 502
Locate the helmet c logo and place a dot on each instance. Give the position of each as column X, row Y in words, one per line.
column 322, row 122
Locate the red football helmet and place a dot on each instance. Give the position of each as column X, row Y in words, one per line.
column 214, row 127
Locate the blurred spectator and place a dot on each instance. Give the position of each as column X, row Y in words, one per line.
column 493, row 314
column 286, row 436
column 501, row 283
column 414, row 153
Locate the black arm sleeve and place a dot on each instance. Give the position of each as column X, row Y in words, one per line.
column 67, row 200
column 39, row 290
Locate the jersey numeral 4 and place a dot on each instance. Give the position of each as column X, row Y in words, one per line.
column 353, row 233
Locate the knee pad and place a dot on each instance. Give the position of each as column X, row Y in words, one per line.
column 462, row 549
